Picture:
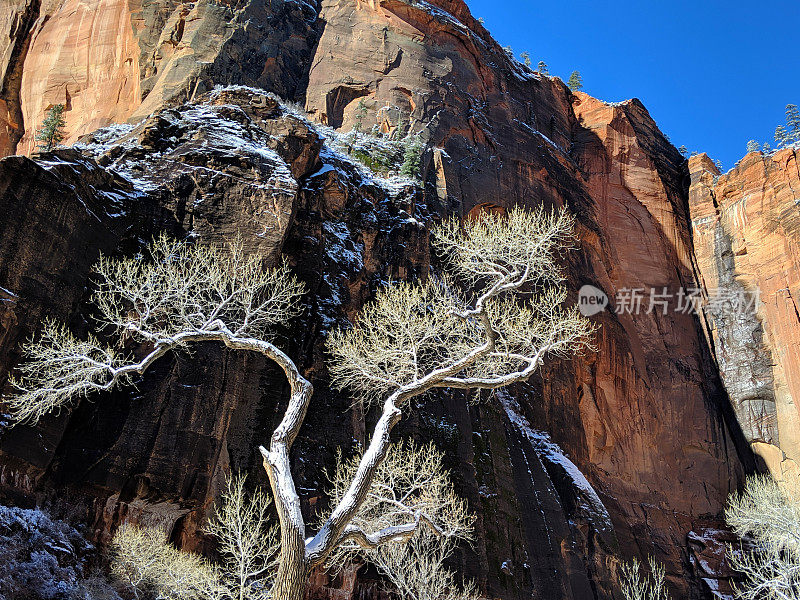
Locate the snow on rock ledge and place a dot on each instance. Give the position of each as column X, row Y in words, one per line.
column 42, row 558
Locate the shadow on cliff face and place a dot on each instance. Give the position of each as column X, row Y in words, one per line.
column 671, row 355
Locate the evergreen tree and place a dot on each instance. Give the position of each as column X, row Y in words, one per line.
column 792, row 124
column 718, row 164
column 401, row 129
column 753, row 146
column 575, row 82
column 683, row 150
column 781, row 136
column 412, row 159
column 526, row 57
column 361, row 112
column 542, row 68
column 51, row 133
column 765, row 149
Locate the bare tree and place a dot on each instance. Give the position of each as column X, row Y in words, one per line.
column 246, row 540
column 417, row 570
column 143, row 559
column 145, row 562
column 636, row 584
column 415, row 337
column 410, row 484
column 767, row 514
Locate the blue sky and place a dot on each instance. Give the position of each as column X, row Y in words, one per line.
column 713, row 74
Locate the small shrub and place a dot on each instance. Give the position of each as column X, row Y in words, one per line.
column 638, row 585
column 767, row 515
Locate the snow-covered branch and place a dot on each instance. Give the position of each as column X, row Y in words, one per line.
column 393, row 533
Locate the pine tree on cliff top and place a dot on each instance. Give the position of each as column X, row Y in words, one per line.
column 792, row 124
column 753, row 146
column 575, row 82
column 790, row 133
column 51, row 134
column 780, row 135
column 542, row 68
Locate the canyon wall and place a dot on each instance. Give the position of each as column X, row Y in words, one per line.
column 746, row 226
column 627, row 451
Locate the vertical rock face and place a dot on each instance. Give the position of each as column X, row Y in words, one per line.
column 653, row 364
column 746, row 227
column 82, row 55
column 230, row 165
column 508, row 136
column 624, row 451
column 109, row 61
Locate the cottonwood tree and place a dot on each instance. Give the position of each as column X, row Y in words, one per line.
column 636, row 584
column 767, row 513
column 410, row 484
column 488, row 323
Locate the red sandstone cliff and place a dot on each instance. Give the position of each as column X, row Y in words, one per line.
column 746, row 226
column 645, row 420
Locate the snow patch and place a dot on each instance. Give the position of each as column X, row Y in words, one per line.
column 12, row 297
column 551, row 453
column 341, row 248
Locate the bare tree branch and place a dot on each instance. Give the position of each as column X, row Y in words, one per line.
column 767, row 515
column 487, row 324
column 246, row 540
column 411, row 521
column 638, row 585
